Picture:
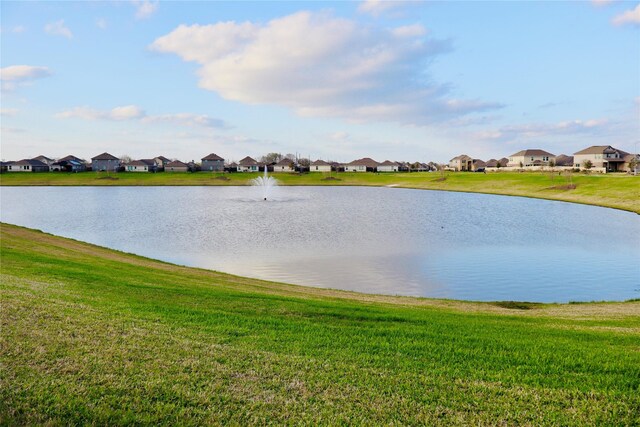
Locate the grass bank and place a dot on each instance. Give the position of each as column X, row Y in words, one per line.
column 612, row 190
column 95, row 336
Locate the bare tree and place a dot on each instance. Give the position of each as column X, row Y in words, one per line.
column 125, row 158
column 271, row 158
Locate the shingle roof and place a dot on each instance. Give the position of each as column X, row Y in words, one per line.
column 564, row 160
column 491, row 163
column 479, row 163
column 389, row 163
column 163, row 158
column 248, row 161
column 461, row 157
column 366, row 161
column 212, row 156
column 105, row 156
column 532, row 152
column 30, row 162
column 176, row 163
column 320, row 163
column 285, row 162
column 69, row 158
column 138, row 163
column 42, row 158
column 599, row 149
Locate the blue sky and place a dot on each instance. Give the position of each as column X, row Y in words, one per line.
column 333, row 80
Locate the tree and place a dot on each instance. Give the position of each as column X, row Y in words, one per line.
column 633, row 163
column 587, row 165
column 304, row 162
column 271, row 158
column 125, row 158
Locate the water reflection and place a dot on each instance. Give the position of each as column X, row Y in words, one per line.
column 376, row 240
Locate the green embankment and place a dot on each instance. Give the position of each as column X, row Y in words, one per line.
column 612, row 190
column 95, row 336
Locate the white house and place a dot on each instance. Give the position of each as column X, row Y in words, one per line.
column 388, row 166
column 284, row 165
column 531, row 158
column 603, row 158
column 320, row 166
column 365, row 164
column 27, row 165
column 144, row 165
column 461, row 163
column 247, row 165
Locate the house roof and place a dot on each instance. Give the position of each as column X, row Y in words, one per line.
column 503, row 161
column 29, row 162
column 105, row 156
column 138, row 163
column 163, row 158
column 366, row 161
column 320, row 163
column 212, row 156
column 479, row 163
column 149, row 162
column 600, row 149
column 285, row 162
column 564, row 160
column 491, row 163
column 177, row 163
column 532, row 152
column 461, row 157
column 248, row 161
column 389, row 163
column 69, row 158
column 43, row 158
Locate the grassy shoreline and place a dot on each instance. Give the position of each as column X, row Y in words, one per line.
column 613, row 191
column 95, row 336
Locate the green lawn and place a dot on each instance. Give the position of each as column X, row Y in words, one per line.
column 94, row 336
column 613, row 190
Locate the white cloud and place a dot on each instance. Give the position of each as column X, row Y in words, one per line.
column 415, row 30
column 631, row 17
column 23, row 72
column 145, row 8
column 18, row 29
column 543, row 130
column 126, row 112
column 378, row 7
column 187, row 119
column 101, row 23
column 320, row 65
column 133, row 112
column 20, row 75
column 58, row 29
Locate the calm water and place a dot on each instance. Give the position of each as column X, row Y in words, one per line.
column 374, row 240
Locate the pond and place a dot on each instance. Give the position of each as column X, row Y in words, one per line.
column 373, row 240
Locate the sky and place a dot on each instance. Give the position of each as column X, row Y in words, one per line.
column 407, row 81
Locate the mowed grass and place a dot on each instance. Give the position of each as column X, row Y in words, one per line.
column 95, row 336
column 618, row 191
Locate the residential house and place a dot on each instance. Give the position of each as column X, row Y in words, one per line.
column 284, row 165
column 105, row 162
column 320, row 166
column 44, row 159
column 461, row 163
column 212, row 163
column 161, row 162
column 4, row 166
column 564, row 162
column 531, row 158
column 247, row 165
column 176, row 166
column 478, row 165
column 142, row 165
column 628, row 166
column 603, row 158
column 365, row 164
column 231, row 167
column 388, row 166
column 28, row 165
column 494, row 164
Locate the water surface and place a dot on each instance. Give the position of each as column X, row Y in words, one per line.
column 374, row 240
